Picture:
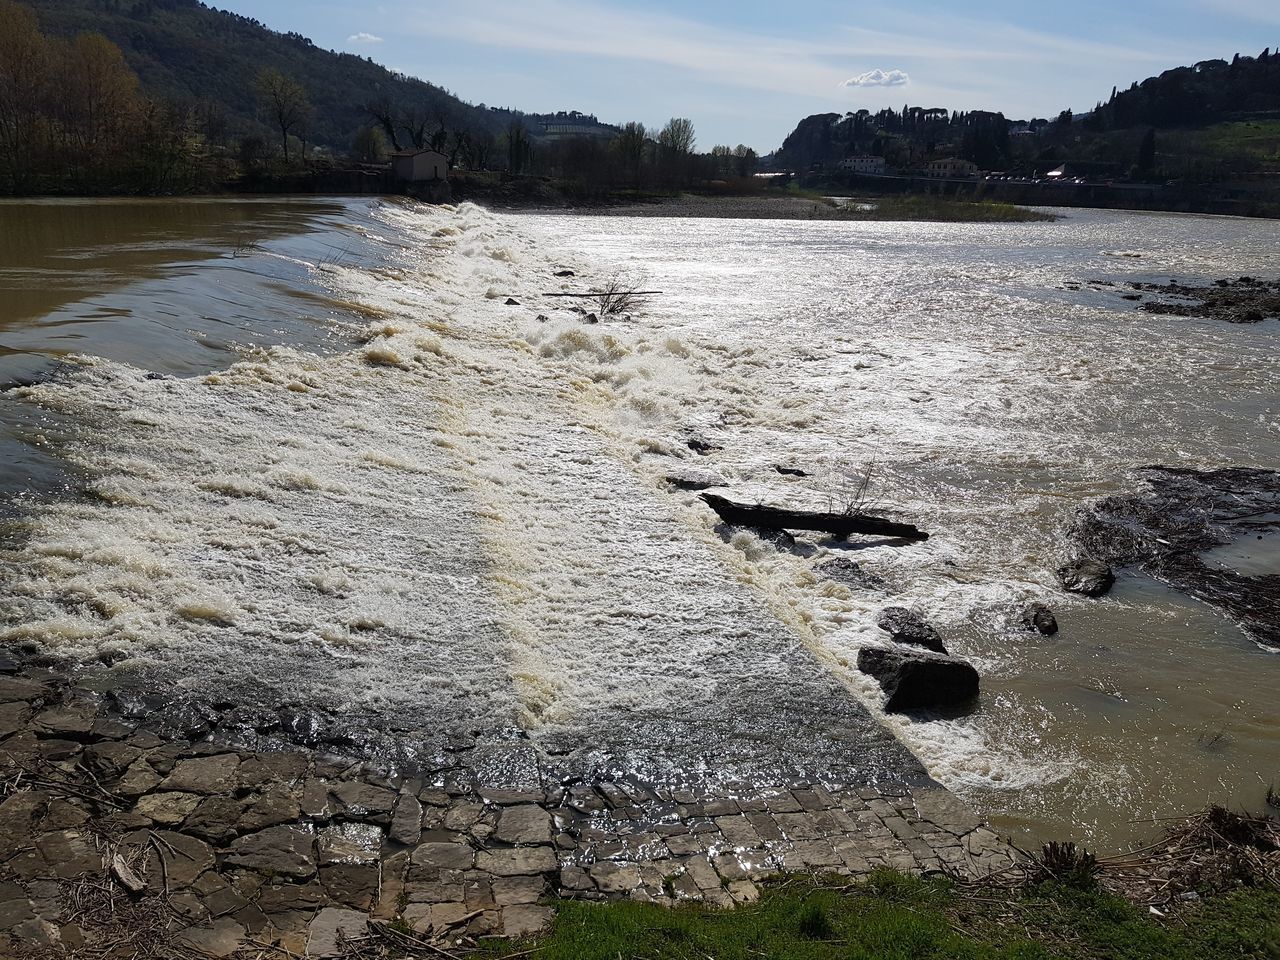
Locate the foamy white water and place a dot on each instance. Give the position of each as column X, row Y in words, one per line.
column 462, row 520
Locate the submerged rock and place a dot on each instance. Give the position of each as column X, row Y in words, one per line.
column 1040, row 618
column 850, row 573
column 916, row 680
column 1090, row 577
column 694, row 479
column 905, row 626
column 782, row 540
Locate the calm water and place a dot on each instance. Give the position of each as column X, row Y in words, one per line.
column 371, row 483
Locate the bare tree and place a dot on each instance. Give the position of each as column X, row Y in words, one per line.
column 619, row 294
column 285, row 102
column 384, row 114
column 630, row 144
column 677, row 137
column 24, row 56
column 675, row 146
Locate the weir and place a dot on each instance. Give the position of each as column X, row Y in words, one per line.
column 414, row 627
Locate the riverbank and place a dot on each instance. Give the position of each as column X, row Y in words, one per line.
column 892, row 915
column 800, row 206
column 119, row 839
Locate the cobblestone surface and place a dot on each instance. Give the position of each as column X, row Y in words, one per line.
column 234, row 849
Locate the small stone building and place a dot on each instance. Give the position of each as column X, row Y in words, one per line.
column 418, row 165
column 952, row 168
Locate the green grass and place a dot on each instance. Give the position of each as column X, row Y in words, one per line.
column 893, row 917
column 944, row 210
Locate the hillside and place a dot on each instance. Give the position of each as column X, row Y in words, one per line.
column 192, row 53
column 1208, row 121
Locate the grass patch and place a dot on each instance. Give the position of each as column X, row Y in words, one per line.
column 895, row 917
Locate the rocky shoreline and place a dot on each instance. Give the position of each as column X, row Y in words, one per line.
column 1244, row 300
column 1168, row 528
column 118, row 842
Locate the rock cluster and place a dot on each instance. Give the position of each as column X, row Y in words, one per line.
column 917, row 673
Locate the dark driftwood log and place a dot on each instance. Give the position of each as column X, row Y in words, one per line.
column 839, row 524
column 605, row 293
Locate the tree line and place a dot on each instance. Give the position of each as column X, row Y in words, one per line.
column 73, row 117
column 636, row 158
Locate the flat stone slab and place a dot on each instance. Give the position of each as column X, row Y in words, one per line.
column 326, row 932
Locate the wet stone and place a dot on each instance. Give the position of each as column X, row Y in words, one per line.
column 284, row 850
column 278, row 805
column 214, row 819
column 519, row 861
column 523, row 825
column 361, row 801
column 406, row 820
column 72, row 722
column 207, row 775
column 350, row 843
column 432, row 857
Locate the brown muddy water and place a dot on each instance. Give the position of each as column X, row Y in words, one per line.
column 372, row 485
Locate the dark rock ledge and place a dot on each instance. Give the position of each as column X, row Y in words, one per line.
column 117, row 842
column 1165, row 530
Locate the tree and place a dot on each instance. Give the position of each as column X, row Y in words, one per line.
column 676, row 137
column 384, row 114
column 285, row 103
column 369, row 145
column 24, row 59
column 629, row 145
column 97, row 98
column 1147, row 151
column 519, row 150
column 675, row 147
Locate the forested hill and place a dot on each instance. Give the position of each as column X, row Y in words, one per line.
column 187, row 51
column 1213, row 91
column 1216, row 118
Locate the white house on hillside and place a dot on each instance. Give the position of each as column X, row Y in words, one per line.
column 417, row 165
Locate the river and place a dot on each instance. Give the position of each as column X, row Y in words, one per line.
column 307, row 452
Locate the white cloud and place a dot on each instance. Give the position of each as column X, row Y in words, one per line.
column 363, row 37
column 878, row 78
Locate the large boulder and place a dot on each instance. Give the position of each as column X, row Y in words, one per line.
column 1093, row 578
column 918, row 680
column 905, row 626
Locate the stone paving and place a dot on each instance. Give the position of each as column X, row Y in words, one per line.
column 221, row 850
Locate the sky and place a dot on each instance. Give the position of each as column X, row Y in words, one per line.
column 747, row 72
